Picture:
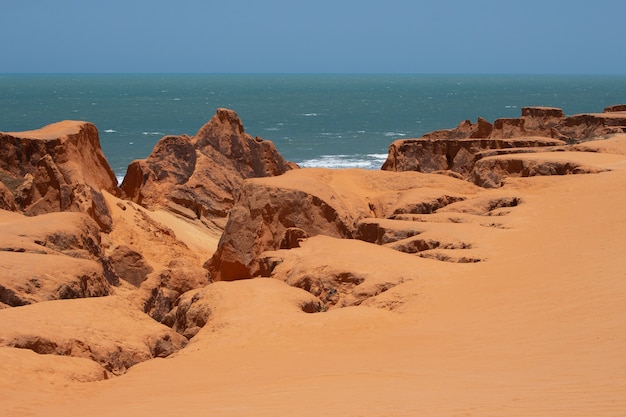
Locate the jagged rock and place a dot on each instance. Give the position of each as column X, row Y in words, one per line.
column 535, row 121
column 457, row 155
column 106, row 330
column 171, row 282
column 320, row 202
column 200, row 176
column 539, row 129
column 59, row 167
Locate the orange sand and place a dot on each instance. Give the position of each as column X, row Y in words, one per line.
column 538, row 329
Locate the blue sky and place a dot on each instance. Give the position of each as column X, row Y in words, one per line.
column 316, row 36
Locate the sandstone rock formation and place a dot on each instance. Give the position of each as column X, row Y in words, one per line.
column 614, row 108
column 216, row 307
column 321, row 202
column 199, row 177
column 59, row 167
column 539, row 129
column 31, row 368
column 447, row 284
column 157, row 255
column 346, row 236
column 49, row 257
column 492, row 171
column 116, row 340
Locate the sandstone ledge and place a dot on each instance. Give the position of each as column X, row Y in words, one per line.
column 539, row 129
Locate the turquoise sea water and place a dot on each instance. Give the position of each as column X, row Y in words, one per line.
column 315, row 120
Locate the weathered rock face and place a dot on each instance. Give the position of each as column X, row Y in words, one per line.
column 49, row 257
column 129, row 265
column 178, row 278
column 492, row 171
column 539, row 129
column 7, row 201
column 28, row 367
column 199, row 176
column 457, row 155
column 60, row 167
column 274, row 213
column 346, row 236
column 205, row 307
column 614, row 108
column 116, row 340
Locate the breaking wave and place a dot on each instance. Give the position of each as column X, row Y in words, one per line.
column 366, row 161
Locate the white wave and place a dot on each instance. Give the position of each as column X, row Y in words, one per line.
column 152, row 133
column 110, row 131
column 368, row 161
column 120, row 178
column 309, row 114
column 272, row 129
column 390, row 134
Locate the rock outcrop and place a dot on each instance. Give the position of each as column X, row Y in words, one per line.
column 615, row 108
column 539, row 129
column 29, row 368
column 49, row 257
column 116, row 340
column 271, row 212
column 59, row 167
column 217, row 307
column 491, row 172
column 157, row 255
column 340, row 234
column 199, row 177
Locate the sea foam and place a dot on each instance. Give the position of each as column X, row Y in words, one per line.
column 366, row 161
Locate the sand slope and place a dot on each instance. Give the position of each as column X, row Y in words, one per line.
column 536, row 329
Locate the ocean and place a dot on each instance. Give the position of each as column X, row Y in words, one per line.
column 335, row 121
